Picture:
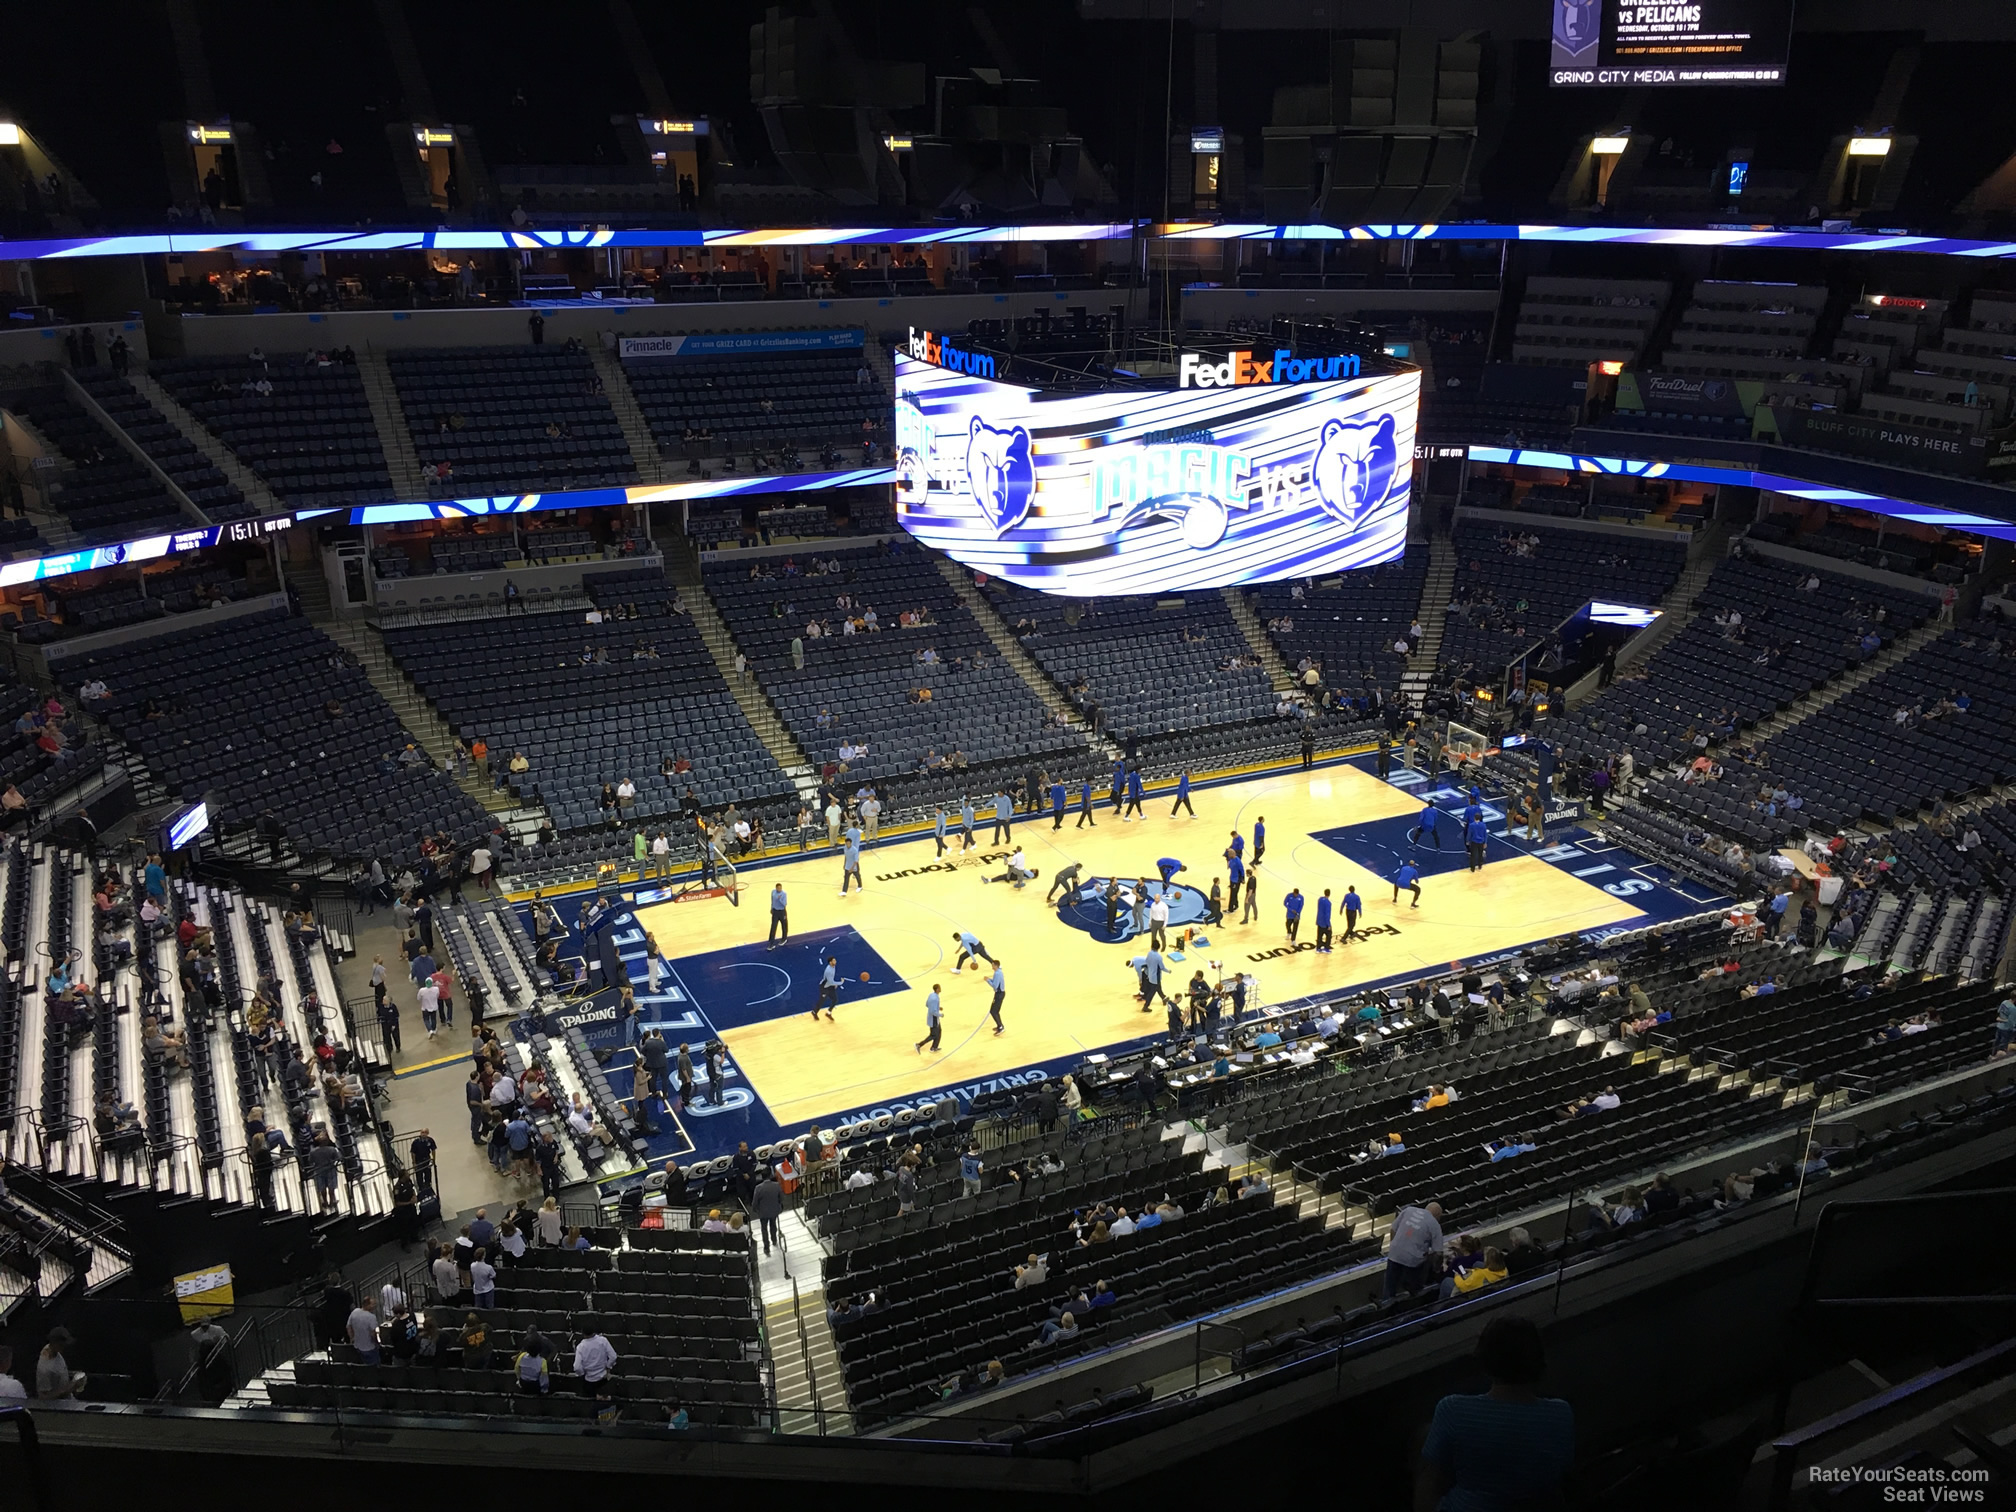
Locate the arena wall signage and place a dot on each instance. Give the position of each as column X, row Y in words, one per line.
column 1150, row 488
column 1657, row 43
column 728, row 343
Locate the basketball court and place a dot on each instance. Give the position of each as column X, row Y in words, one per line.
column 1070, row 988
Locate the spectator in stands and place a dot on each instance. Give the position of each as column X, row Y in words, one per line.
column 1031, row 1273
column 362, row 1329
column 1507, row 1447
column 1417, row 1235
column 163, row 1044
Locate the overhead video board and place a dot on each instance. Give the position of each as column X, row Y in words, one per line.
column 1634, row 45
column 1146, row 489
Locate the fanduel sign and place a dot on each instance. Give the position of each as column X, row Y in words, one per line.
column 1241, row 369
column 929, row 346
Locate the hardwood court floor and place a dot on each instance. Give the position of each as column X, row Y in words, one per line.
column 1070, row 992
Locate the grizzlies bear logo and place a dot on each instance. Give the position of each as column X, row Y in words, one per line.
column 1084, row 907
column 1000, row 473
column 1354, row 468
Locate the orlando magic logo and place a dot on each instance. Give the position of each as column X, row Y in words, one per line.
column 1001, row 473
column 1088, row 905
column 1354, row 467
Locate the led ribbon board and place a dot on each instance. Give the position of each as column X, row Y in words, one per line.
column 1136, row 490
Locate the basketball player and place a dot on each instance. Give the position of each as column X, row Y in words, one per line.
column 938, row 829
column 850, row 861
column 1425, row 829
column 1407, row 875
column 1017, row 872
column 1133, row 796
column 1111, row 898
column 1323, row 922
column 1085, row 805
column 1259, row 838
column 934, row 1022
column 1065, row 881
column 1476, row 839
column 829, row 989
column 999, row 982
column 1353, row 906
column 1060, row 799
column 970, row 949
column 1183, row 795
column 965, row 824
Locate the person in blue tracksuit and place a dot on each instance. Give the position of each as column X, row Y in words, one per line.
column 1259, row 838
column 1476, row 838
column 1119, row 793
column 1085, row 805
column 1353, row 906
column 1425, row 829
column 1323, row 922
column 1183, row 795
column 1292, row 906
column 1004, row 818
column 1060, row 799
column 1133, row 796
column 1169, row 866
column 829, row 988
column 1235, row 876
column 938, row 829
column 1407, row 875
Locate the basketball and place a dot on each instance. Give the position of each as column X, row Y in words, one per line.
column 864, row 976
column 972, row 965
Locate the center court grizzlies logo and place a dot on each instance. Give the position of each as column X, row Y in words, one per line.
column 1577, row 25
column 1354, row 467
column 1000, row 473
column 1085, row 908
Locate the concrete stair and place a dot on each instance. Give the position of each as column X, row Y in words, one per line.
column 1013, row 653
column 428, row 729
column 312, row 589
column 393, row 437
column 1433, row 611
column 682, row 565
column 1676, row 610
column 636, row 429
column 206, row 441
column 1848, row 682
column 53, row 527
column 814, row 1402
column 1279, row 678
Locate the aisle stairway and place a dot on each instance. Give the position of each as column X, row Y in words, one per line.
column 682, row 565
column 1279, row 678
column 1677, row 607
column 1436, row 588
column 636, row 429
column 205, row 440
column 54, row 528
column 1012, row 652
column 1849, row 681
column 393, row 437
column 814, row 1402
column 428, row 729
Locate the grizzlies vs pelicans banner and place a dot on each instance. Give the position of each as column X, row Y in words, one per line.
column 1139, row 490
